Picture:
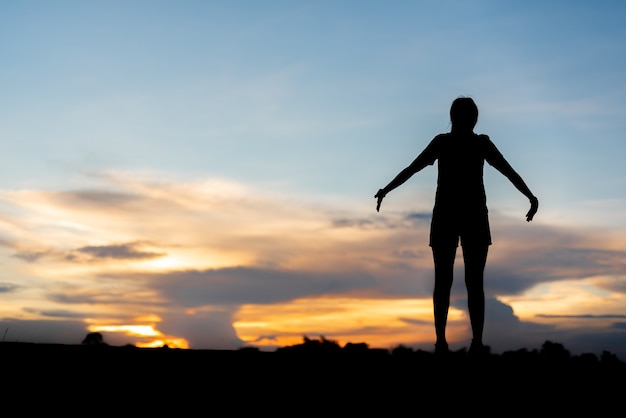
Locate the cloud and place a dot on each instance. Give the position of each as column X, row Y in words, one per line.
column 8, row 287
column 94, row 198
column 413, row 321
column 419, row 216
column 582, row 262
column 409, row 254
column 407, row 221
column 119, row 294
column 209, row 328
column 612, row 283
column 242, row 285
column 523, row 257
column 503, row 329
column 31, row 256
column 195, row 252
column 59, row 313
column 90, row 253
column 119, row 251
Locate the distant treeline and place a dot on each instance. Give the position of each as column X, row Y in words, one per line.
column 549, row 352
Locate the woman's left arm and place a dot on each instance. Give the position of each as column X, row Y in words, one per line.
column 496, row 159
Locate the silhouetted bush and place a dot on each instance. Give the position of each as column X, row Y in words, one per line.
column 321, row 345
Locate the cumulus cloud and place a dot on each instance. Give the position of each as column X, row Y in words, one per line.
column 204, row 328
column 504, row 330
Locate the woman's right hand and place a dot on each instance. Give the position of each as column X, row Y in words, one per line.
column 380, row 195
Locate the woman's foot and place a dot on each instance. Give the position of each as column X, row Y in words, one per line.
column 441, row 348
column 477, row 348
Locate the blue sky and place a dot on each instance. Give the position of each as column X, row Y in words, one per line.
column 152, row 147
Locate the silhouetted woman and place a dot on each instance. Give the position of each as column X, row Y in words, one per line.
column 460, row 213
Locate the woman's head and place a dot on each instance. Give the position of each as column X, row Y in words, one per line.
column 463, row 114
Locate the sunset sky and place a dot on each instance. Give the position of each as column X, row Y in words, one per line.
column 202, row 174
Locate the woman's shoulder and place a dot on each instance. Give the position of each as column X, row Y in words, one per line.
column 442, row 136
column 449, row 136
column 484, row 140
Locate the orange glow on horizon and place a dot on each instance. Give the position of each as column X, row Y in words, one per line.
column 169, row 342
column 380, row 323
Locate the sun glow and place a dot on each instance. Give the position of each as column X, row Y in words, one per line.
column 153, row 337
column 193, row 259
column 131, row 330
column 165, row 263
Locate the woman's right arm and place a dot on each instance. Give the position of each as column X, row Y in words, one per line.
column 426, row 157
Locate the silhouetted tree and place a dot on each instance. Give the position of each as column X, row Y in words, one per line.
column 554, row 351
column 93, row 338
column 609, row 358
column 321, row 345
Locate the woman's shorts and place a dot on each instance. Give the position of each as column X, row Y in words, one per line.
column 472, row 230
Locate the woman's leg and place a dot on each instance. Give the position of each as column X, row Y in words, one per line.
column 444, row 268
column 475, row 259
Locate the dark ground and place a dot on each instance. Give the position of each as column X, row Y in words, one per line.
column 313, row 378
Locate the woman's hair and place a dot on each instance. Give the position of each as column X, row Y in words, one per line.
column 463, row 114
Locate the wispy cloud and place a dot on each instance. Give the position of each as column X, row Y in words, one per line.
column 409, row 220
column 93, row 253
column 8, row 287
column 119, row 251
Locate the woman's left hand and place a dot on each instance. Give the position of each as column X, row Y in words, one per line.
column 534, row 205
